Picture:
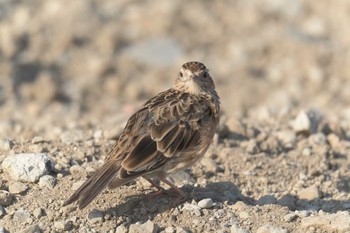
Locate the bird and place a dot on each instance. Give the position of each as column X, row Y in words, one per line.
column 167, row 134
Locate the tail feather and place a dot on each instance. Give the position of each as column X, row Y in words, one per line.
column 94, row 185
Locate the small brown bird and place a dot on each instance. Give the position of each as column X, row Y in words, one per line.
column 169, row 133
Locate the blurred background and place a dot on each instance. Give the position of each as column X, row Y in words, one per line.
column 68, row 63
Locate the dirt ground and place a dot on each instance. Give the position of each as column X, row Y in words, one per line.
column 72, row 72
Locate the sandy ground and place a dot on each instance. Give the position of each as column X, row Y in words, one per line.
column 72, row 72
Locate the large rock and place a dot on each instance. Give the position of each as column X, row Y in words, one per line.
column 27, row 167
column 338, row 222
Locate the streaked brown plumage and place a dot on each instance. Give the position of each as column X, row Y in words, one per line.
column 169, row 133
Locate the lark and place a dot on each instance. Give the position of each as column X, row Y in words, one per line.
column 169, row 133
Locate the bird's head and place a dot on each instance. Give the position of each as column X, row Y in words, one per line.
column 194, row 78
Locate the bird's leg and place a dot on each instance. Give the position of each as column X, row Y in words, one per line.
column 160, row 191
column 182, row 196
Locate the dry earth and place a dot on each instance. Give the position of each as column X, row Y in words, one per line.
column 72, row 72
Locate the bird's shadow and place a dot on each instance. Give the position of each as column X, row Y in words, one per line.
column 140, row 208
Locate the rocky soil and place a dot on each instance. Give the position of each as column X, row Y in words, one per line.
column 72, row 72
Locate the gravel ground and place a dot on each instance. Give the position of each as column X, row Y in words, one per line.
column 72, row 72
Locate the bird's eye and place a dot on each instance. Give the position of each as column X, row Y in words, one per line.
column 181, row 74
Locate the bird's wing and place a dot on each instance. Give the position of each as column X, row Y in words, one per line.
column 168, row 123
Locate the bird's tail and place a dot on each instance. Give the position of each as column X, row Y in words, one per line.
column 94, row 185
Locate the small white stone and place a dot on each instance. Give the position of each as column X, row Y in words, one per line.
column 302, row 122
column 206, row 203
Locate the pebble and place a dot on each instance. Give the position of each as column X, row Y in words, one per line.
column 5, row 198
column 318, row 139
column 2, row 211
column 27, row 167
column 271, row 229
column 169, row 230
column 31, row 229
column 6, row 144
column 17, row 188
column 287, row 137
column 121, row 229
column 306, row 151
column 147, row 227
column 337, row 222
column 95, row 216
column 206, row 203
column 301, row 123
column 237, row 229
column 266, row 200
column 193, row 208
column 63, row 225
column 47, row 181
column 76, row 170
column 252, row 146
column 290, row 217
column 22, row 215
column 309, row 193
column 38, row 212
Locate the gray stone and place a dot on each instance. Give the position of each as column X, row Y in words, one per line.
column 271, row 229
column 6, row 144
column 17, row 188
column 2, row 211
column 337, row 222
column 266, row 200
column 318, row 139
column 63, row 225
column 181, row 230
column 31, row 229
column 309, row 193
column 47, row 181
column 289, row 201
column 21, row 215
column 27, row 167
column 147, row 227
column 95, row 216
column 205, row 203
column 6, row 198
